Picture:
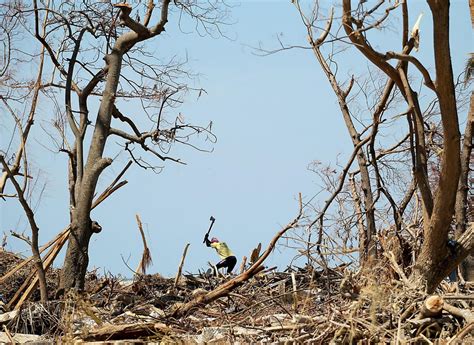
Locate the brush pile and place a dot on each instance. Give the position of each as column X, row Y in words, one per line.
column 297, row 305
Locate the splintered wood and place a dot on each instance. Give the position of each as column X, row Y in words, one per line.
column 30, row 279
column 259, row 305
column 298, row 305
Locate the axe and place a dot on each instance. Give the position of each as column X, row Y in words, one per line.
column 212, row 219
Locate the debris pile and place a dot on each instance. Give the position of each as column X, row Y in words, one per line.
column 297, row 305
column 15, row 273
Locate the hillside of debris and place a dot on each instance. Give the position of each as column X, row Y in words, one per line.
column 337, row 305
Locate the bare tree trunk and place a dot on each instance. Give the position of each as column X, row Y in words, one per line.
column 34, row 232
column 15, row 167
column 9, row 172
column 368, row 246
column 434, row 260
column 462, row 201
column 77, row 257
column 360, row 224
column 432, row 264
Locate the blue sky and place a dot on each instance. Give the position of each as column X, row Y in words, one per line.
column 272, row 116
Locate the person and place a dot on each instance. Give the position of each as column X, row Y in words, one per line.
column 228, row 259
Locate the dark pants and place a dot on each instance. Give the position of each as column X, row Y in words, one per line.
column 228, row 262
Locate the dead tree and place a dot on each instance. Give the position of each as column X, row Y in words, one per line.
column 463, row 202
column 372, row 182
column 96, row 56
column 438, row 196
column 15, row 91
column 462, row 197
column 435, row 260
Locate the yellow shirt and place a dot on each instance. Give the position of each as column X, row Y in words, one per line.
column 222, row 249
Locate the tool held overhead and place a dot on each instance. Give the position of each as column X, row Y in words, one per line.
column 212, row 219
column 228, row 259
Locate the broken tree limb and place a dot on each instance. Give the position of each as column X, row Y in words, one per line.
column 107, row 193
column 34, row 230
column 255, row 253
column 30, row 283
column 119, row 176
column 466, row 314
column 393, row 261
column 183, row 257
column 8, row 316
column 8, row 334
column 295, row 291
column 113, row 186
column 146, row 260
column 129, row 331
column 104, row 195
column 28, row 260
column 47, row 262
column 461, row 334
column 242, row 265
column 225, row 288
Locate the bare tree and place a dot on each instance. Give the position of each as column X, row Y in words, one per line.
column 14, row 91
column 463, row 199
column 437, row 192
column 97, row 56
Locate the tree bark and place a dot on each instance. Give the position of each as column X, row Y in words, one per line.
column 368, row 246
column 129, row 331
column 432, row 265
column 34, row 232
column 434, row 260
column 357, row 37
column 359, row 221
column 77, row 256
column 462, row 200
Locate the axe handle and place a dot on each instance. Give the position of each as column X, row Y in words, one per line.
column 208, row 231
